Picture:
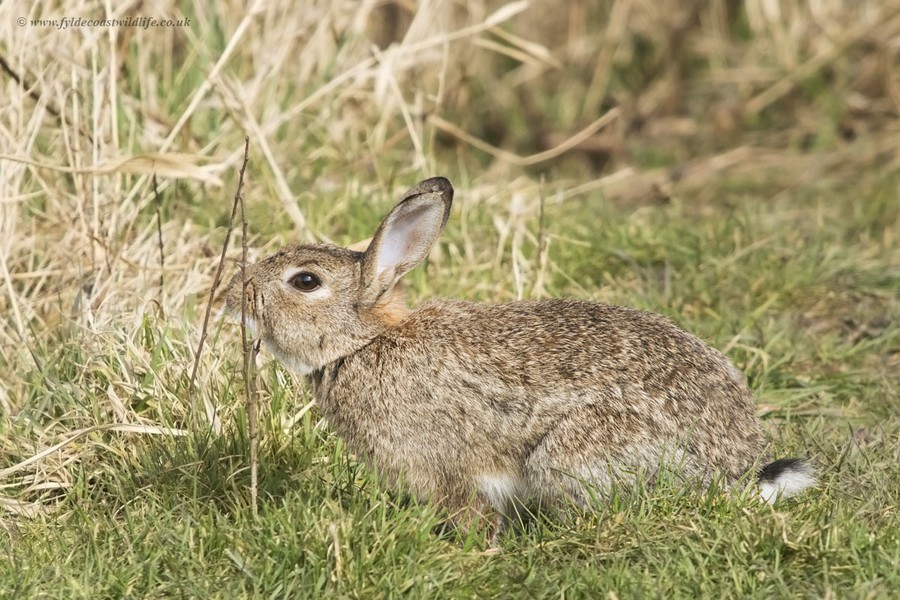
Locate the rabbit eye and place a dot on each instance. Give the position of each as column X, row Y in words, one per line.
column 305, row 282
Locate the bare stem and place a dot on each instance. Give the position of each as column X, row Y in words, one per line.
column 542, row 246
column 210, row 409
column 159, row 239
column 249, row 352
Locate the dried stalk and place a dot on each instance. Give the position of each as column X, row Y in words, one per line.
column 159, row 239
column 249, row 350
column 210, row 409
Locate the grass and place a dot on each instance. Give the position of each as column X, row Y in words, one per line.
column 748, row 188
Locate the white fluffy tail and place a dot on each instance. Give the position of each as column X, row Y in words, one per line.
column 785, row 477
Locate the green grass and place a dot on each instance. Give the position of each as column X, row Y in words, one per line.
column 790, row 296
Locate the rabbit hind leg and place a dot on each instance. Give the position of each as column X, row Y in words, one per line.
column 470, row 512
column 580, row 461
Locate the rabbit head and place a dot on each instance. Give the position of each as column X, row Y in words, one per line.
column 311, row 304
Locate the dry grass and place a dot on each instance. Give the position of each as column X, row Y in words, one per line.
column 533, row 108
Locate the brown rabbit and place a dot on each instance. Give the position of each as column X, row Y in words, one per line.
column 477, row 406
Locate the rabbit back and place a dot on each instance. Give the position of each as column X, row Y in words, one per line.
column 459, row 394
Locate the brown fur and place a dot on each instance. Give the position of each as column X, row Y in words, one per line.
column 475, row 405
column 392, row 308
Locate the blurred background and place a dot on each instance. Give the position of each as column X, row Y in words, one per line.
column 629, row 101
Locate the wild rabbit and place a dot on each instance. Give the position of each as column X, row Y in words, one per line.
column 477, row 406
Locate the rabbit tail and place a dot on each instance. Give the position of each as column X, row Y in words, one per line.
column 785, row 477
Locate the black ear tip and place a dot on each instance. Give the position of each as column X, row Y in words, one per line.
column 439, row 185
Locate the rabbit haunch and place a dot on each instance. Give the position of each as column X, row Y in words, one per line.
column 472, row 405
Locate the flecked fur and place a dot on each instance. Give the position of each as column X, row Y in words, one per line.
column 474, row 406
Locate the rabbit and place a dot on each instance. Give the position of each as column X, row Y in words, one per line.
column 482, row 407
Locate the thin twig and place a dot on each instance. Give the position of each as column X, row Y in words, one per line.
column 25, row 85
column 249, row 352
column 159, row 237
column 525, row 161
column 540, row 262
column 210, row 409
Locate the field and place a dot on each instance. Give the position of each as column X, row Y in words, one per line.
column 732, row 165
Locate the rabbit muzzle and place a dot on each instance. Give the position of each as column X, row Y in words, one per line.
column 235, row 304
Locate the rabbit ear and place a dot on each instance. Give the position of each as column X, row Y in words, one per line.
column 405, row 236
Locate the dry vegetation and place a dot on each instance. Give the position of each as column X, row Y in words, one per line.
column 734, row 164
